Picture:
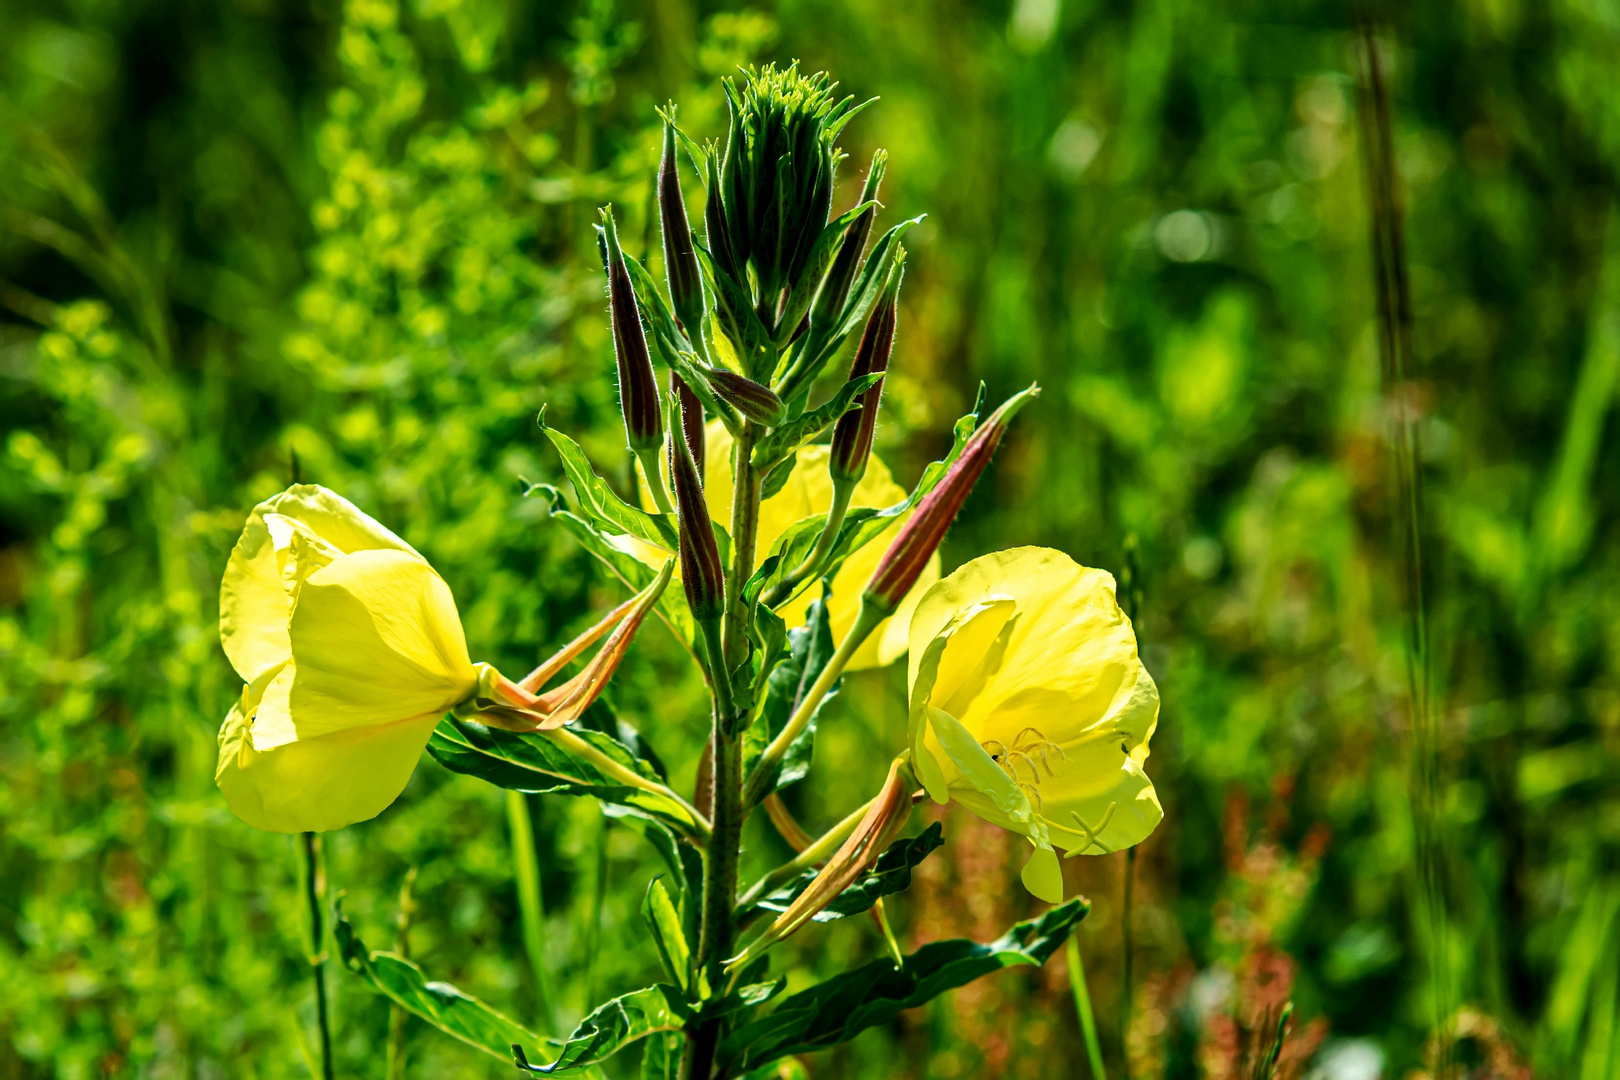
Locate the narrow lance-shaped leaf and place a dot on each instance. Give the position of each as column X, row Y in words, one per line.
column 440, row 1004
column 599, row 503
column 842, row 1007
column 787, row 439
column 612, row 1027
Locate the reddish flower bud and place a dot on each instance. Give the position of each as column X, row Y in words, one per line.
column 638, row 392
column 921, row 535
column 756, row 402
column 690, row 415
column 680, row 261
column 852, row 437
column 829, row 306
column 701, row 572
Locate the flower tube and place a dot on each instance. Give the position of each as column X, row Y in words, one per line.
column 1030, row 707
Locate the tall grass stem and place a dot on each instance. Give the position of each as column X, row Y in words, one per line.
column 314, row 890
column 531, row 904
column 1082, row 1006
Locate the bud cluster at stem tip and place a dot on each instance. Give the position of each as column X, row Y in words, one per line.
column 852, row 437
column 638, row 391
column 921, row 535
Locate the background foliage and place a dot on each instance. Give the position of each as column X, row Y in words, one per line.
column 250, row 239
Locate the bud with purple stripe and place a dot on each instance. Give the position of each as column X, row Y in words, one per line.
column 921, row 535
column 852, row 437
column 638, row 391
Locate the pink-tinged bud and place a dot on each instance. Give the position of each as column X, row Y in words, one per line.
column 852, row 437
column 690, row 415
column 638, row 392
column 680, row 261
column 921, row 535
column 701, row 573
column 754, row 401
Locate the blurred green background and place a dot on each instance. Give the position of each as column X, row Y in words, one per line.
column 244, row 237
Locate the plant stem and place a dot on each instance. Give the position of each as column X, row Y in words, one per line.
column 1125, row 963
column 593, row 941
column 842, row 491
column 1082, row 1005
column 865, row 621
column 314, row 887
column 397, row 1016
column 655, row 482
column 531, row 906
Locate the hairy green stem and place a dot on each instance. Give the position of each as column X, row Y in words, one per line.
column 314, row 885
column 655, row 482
column 1082, row 1006
column 813, row 562
column 866, row 620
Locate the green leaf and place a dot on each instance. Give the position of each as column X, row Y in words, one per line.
column 685, row 864
column 736, row 310
column 599, row 503
column 890, row 874
column 669, row 936
column 810, row 647
column 613, row 1026
column 782, row 442
column 821, row 257
column 777, row 478
column 542, row 761
column 846, row 1005
column 440, row 1004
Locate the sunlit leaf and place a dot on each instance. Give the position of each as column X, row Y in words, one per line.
column 612, row 1027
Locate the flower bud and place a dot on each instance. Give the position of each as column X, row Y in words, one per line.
column 638, row 392
column 835, row 292
column 852, row 437
column 680, row 261
column 920, row 537
column 690, row 417
column 701, row 572
column 754, row 401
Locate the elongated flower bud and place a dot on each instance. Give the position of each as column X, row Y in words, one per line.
column 921, row 535
column 715, row 226
column 835, row 291
column 701, row 572
column 638, row 392
column 852, row 437
column 756, row 402
column 690, row 413
column 680, row 262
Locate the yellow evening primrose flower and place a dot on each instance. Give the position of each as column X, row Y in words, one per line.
column 1030, row 706
column 808, row 493
column 351, row 649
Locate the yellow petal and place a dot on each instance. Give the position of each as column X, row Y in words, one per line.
column 323, row 783
column 1057, row 682
column 305, row 524
column 375, row 640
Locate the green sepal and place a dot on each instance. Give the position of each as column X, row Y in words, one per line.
column 599, row 503
column 669, row 937
column 846, row 1005
column 613, row 1026
column 784, row 441
column 529, row 761
column 890, row 874
column 440, row 1004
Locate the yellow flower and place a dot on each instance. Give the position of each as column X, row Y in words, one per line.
column 352, row 650
column 807, row 493
column 1030, row 706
